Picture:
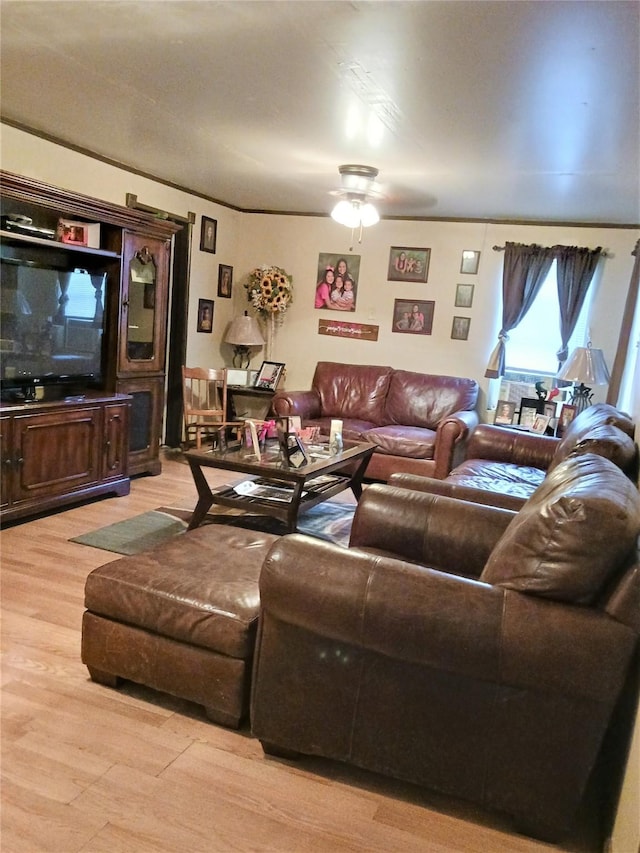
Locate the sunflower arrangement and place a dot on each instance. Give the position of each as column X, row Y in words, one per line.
column 269, row 290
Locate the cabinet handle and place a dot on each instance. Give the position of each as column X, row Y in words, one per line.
column 20, row 460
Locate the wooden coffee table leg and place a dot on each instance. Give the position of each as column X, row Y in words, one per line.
column 205, row 496
column 294, row 507
column 356, row 480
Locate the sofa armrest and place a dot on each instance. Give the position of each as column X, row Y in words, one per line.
column 451, row 436
column 455, row 490
column 305, row 404
column 428, row 529
column 423, row 616
column 501, row 444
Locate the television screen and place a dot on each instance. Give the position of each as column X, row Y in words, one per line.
column 51, row 325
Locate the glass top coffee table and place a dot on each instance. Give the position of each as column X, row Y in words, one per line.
column 274, row 488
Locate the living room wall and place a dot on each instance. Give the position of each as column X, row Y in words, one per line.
column 295, row 242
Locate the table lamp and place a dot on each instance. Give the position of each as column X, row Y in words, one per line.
column 243, row 333
column 585, row 366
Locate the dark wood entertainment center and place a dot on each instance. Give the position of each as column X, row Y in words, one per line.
column 59, row 443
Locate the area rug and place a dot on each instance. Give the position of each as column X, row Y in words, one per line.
column 330, row 521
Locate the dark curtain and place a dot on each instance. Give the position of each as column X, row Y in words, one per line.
column 525, row 269
column 98, row 281
column 625, row 331
column 575, row 269
column 64, row 280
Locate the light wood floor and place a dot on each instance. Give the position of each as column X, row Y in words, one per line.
column 87, row 769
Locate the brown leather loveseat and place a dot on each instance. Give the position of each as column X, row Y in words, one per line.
column 503, row 467
column 466, row 648
column 418, row 422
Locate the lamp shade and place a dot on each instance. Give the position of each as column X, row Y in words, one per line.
column 585, row 365
column 244, row 331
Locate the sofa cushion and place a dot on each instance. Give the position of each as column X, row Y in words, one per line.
column 606, row 440
column 352, row 390
column 412, row 442
column 571, row 535
column 421, row 400
column 505, row 478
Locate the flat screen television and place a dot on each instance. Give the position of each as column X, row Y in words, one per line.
column 51, row 328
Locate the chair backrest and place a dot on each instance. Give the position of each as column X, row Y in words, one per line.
column 204, row 394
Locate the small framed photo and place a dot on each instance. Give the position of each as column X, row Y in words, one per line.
column 208, row 235
column 540, row 424
column 505, row 412
column 529, row 408
column 464, row 295
column 205, row 315
column 460, row 328
column 549, row 410
column 413, row 317
column 408, row 264
column 567, row 414
column 470, row 262
column 269, row 375
column 225, row 280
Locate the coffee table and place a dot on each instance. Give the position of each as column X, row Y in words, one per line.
column 272, row 487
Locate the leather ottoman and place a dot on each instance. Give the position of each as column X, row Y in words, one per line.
column 180, row 618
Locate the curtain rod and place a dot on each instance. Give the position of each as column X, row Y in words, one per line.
column 604, row 253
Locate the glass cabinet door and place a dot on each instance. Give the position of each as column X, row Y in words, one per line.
column 143, row 309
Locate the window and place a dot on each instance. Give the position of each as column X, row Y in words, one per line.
column 533, row 344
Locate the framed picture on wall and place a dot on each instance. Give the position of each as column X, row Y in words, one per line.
column 408, row 264
column 205, row 315
column 460, row 328
column 470, row 262
column 413, row 317
column 464, row 295
column 225, row 280
column 208, row 235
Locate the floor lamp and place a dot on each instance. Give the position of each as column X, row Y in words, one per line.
column 585, row 367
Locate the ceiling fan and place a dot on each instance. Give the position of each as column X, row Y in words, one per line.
column 355, row 208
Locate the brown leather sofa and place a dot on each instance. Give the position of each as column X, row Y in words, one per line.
column 465, row 648
column 418, row 422
column 504, row 466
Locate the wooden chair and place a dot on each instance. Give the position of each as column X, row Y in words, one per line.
column 204, row 394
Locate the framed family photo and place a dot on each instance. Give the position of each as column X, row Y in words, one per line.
column 413, row 317
column 225, row 280
column 337, row 281
column 407, row 264
column 208, row 235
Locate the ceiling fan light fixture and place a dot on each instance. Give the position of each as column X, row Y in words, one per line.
column 355, row 213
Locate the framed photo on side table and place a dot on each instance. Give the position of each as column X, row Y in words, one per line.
column 529, row 408
column 505, row 412
column 540, row 423
column 567, row 414
column 269, row 375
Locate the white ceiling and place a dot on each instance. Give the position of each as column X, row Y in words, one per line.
column 519, row 109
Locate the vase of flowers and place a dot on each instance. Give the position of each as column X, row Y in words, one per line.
column 270, row 291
